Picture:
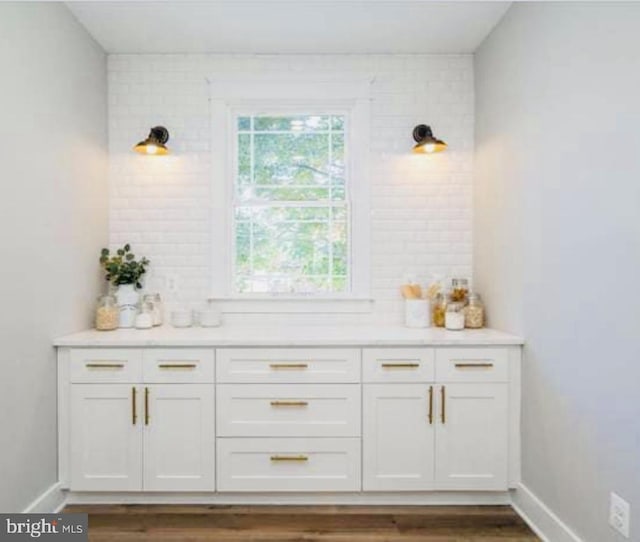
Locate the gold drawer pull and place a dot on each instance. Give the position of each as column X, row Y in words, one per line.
column 443, row 414
column 430, row 405
column 400, row 365
column 289, row 365
column 134, row 410
column 471, row 365
column 289, row 458
column 104, row 365
column 289, row 403
column 177, row 365
column 146, row 406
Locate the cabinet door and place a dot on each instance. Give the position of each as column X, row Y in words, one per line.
column 179, row 437
column 398, row 437
column 106, row 438
column 471, row 437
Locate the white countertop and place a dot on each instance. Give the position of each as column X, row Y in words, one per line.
column 234, row 335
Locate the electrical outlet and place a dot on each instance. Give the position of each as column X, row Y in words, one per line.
column 619, row 512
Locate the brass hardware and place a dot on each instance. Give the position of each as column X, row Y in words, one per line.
column 400, row 365
column 444, row 406
column 177, row 365
column 467, row 365
column 146, row 406
column 289, row 458
column 289, row 403
column 104, row 365
column 430, row 405
column 134, row 414
column 289, row 365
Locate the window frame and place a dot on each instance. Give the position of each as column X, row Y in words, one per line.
column 232, row 97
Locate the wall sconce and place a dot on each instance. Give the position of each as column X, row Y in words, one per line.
column 155, row 142
column 425, row 141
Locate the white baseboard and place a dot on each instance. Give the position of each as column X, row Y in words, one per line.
column 50, row 502
column 548, row 526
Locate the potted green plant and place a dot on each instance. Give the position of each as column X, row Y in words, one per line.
column 125, row 273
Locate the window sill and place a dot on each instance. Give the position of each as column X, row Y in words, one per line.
column 278, row 304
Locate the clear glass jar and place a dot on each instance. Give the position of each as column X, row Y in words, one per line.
column 459, row 290
column 107, row 313
column 474, row 312
column 454, row 317
column 144, row 319
column 438, row 310
column 157, row 309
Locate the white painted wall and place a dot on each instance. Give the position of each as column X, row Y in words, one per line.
column 557, row 243
column 53, row 220
column 421, row 205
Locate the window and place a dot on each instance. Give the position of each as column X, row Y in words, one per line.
column 290, row 204
column 290, row 196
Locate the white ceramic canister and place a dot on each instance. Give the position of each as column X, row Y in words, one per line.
column 128, row 299
column 417, row 313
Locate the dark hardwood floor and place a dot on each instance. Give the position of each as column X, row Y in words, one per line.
column 136, row 523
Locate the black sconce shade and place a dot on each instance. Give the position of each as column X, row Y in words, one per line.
column 155, row 144
column 425, row 141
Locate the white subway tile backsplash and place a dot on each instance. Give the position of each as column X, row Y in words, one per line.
column 420, row 206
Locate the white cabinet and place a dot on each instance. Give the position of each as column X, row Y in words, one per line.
column 106, row 438
column 179, row 439
column 271, row 420
column 451, row 432
column 472, row 437
column 398, row 437
column 129, row 431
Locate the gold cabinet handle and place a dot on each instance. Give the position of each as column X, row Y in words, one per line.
column 402, row 365
column 289, row 365
column 444, row 405
column 470, row 365
column 289, row 403
column 177, row 365
column 289, row 458
column 134, row 413
column 104, row 365
column 430, row 405
column 146, row 406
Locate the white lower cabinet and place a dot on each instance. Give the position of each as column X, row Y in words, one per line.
column 420, row 437
column 132, row 437
column 472, row 438
column 106, row 438
column 398, row 437
column 273, row 420
column 179, row 438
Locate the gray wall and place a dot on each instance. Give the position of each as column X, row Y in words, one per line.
column 557, row 243
column 53, row 221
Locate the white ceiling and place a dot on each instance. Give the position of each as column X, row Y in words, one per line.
column 289, row 26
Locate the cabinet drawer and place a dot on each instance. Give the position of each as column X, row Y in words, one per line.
column 286, row 410
column 105, row 365
column 289, row 464
column 398, row 365
column 472, row 365
column 178, row 365
column 288, row 365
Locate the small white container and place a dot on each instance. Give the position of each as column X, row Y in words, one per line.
column 454, row 317
column 417, row 313
column 207, row 317
column 144, row 320
column 181, row 318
